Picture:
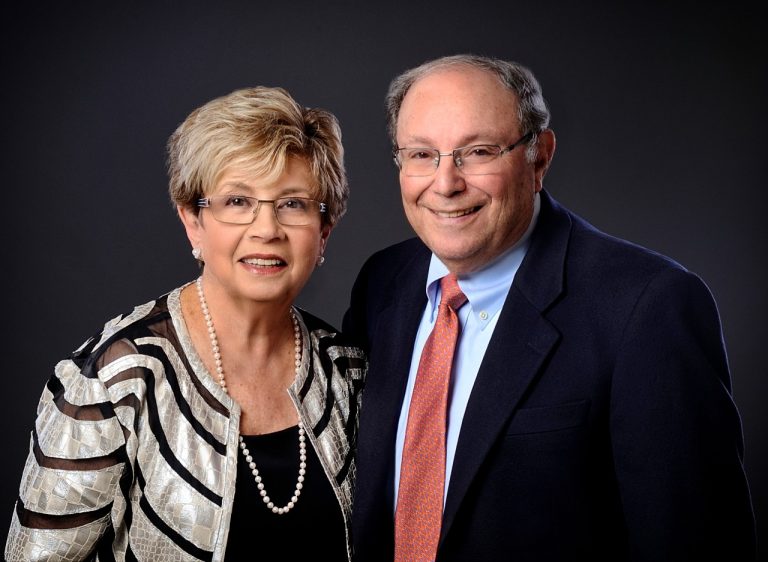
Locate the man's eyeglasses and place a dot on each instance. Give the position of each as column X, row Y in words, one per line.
column 477, row 159
column 239, row 209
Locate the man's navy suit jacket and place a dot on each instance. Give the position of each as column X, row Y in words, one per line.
column 601, row 424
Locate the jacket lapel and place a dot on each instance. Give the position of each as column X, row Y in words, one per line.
column 521, row 341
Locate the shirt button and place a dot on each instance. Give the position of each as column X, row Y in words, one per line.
column 483, row 315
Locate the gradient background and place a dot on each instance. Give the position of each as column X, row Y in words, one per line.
column 659, row 111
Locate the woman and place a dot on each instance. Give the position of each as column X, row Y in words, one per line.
column 171, row 436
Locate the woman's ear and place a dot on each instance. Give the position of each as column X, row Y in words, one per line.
column 325, row 232
column 191, row 221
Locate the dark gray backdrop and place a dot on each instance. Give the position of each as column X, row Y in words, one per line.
column 659, row 112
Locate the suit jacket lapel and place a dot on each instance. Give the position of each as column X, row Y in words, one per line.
column 521, row 341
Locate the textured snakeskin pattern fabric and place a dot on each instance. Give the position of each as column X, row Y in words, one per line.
column 135, row 446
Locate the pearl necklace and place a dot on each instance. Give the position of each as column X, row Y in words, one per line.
column 223, row 383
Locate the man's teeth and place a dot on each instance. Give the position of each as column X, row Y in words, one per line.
column 263, row 262
column 454, row 214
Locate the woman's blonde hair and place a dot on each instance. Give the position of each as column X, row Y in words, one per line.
column 257, row 129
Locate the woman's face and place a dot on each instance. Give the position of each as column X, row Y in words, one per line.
column 263, row 261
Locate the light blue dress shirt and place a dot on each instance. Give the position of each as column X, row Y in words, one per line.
column 486, row 291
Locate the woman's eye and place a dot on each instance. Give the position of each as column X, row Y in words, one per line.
column 293, row 204
column 237, row 201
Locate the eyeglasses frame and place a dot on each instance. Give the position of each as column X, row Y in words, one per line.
column 453, row 153
column 205, row 203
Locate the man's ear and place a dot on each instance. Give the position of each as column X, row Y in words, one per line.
column 545, row 150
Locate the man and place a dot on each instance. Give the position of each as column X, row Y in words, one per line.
column 587, row 411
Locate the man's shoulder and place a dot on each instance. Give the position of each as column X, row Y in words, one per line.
column 397, row 256
column 611, row 269
column 571, row 252
column 591, row 247
column 596, row 249
column 407, row 249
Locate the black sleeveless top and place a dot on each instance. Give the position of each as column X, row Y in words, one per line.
column 312, row 530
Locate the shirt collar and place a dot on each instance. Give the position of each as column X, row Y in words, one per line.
column 487, row 288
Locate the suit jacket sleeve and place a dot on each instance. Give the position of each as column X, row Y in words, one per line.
column 675, row 431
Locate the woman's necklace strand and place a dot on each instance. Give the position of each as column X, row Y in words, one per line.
column 302, row 438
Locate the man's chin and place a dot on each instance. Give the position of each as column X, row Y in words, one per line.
column 462, row 259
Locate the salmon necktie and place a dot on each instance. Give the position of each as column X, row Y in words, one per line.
column 422, row 473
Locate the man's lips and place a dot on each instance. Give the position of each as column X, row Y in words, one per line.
column 456, row 214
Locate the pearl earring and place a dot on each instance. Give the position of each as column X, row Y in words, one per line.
column 197, row 253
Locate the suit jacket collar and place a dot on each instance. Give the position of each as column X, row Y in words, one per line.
column 541, row 275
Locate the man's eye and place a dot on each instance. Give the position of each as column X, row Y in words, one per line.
column 418, row 154
column 479, row 152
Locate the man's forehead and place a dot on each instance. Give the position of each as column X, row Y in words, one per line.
column 463, row 104
column 460, row 76
column 460, row 87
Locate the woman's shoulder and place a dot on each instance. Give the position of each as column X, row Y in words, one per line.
column 327, row 336
column 122, row 331
column 323, row 329
column 315, row 323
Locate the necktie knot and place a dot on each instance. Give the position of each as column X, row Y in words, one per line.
column 452, row 295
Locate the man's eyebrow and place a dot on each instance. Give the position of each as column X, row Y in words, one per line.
column 485, row 137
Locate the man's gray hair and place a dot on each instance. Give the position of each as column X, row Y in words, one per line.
column 532, row 108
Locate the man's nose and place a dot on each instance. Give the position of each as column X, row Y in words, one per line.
column 448, row 178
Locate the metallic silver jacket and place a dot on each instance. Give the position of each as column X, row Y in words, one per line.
column 135, row 446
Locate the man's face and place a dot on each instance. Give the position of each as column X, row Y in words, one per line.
column 468, row 220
